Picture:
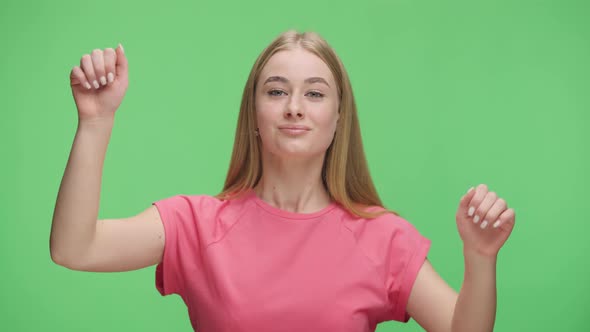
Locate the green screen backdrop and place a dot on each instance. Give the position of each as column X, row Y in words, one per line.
column 450, row 94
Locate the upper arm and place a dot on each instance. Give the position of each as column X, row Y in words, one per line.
column 432, row 301
column 125, row 244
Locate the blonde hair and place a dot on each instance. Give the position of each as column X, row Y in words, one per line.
column 345, row 173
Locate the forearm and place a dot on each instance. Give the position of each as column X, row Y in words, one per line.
column 76, row 208
column 475, row 309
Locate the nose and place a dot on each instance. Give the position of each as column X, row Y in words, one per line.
column 294, row 109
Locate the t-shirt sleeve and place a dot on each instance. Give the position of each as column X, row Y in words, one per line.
column 178, row 221
column 408, row 252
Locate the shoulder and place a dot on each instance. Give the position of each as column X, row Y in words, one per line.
column 199, row 203
column 197, row 208
column 186, row 202
column 385, row 225
column 200, row 218
column 386, row 238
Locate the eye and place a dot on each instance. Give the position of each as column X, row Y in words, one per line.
column 272, row 93
column 317, row 94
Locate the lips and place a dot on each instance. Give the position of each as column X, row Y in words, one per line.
column 295, row 127
column 294, row 130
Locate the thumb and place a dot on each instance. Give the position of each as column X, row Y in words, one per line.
column 121, row 64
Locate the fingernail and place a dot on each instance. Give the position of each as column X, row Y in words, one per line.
column 111, row 77
column 496, row 224
column 87, row 85
column 122, row 49
column 470, row 189
column 95, row 83
column 475, row 219
column 103, row 80
column 483, row 224
column 470, row 212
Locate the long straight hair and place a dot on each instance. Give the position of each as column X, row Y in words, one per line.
column 345, row 173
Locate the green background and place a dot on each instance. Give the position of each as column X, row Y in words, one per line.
column 450, row 94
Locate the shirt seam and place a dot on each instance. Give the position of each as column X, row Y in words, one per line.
column 229, row 229
column 313, row 215
column 404, row 282
column 301, row 216
column 383, row 279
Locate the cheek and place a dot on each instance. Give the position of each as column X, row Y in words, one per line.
column 263, row 113
column 264, row 120
column 329, row 118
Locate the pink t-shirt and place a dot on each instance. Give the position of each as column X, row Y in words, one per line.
column 245, row 265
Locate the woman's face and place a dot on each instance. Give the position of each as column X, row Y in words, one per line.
column 296, row 104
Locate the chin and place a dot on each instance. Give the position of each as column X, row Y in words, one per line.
column 298, row 153
column 296, row 150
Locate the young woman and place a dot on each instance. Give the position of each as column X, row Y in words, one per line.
column 298, row 239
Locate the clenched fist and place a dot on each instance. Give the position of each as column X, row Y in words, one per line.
column 99, row 83
column 484, row 221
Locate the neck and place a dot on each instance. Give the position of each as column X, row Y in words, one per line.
column 293, row 185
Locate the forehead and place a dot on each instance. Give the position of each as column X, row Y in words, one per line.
column 297, row 64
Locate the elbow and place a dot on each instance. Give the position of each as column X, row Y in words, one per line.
column 61, row 260
column 57, row 258
column 59, row 255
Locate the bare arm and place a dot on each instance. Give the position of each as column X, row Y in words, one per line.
column 78, row 241
column 476, row 306
column 432, row 301
column 81, row 242
column 438, row 308
column 76, row 209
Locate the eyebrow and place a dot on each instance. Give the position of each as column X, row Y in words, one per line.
column 307, row 80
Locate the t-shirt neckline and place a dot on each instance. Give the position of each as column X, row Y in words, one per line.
column 251, row 194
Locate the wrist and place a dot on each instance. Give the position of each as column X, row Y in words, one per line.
column 479, row 261
column 476, row 256
column 101, row 123
column 471, row 253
